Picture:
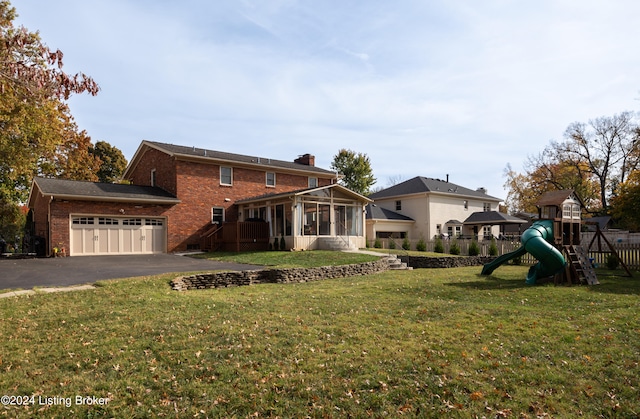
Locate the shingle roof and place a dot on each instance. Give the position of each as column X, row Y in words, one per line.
column 96, row 191
column 375, row 212
column 492, row 218
column 421, row 184
column 555, row 197
column 231, row 157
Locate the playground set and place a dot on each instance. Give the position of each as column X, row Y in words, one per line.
column 554, row 240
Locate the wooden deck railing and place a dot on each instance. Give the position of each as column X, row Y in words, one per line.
column 236, row 237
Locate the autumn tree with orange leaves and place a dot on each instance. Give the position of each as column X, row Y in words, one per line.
column 38, row 135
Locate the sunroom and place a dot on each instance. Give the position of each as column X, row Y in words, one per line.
column 328, row 217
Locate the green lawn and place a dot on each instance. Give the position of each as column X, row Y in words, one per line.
column 307, row 259
column 427, row 343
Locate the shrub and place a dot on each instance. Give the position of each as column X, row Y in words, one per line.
column 612, row 262
column 283, row 244
column 454, row 249
column 377, row 244
column 392, row 244
column 438, row 247
column 421, row 246
column 474, row 249
column 406, row 245
column 276, row 243
column 493, row 248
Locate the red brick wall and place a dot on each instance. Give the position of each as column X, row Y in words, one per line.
column 40, row 217
column 165, row 167
column 199, row 189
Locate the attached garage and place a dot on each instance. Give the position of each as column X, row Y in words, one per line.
column 88, row 218
column 102, row 235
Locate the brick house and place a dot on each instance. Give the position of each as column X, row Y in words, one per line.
column 186, row 198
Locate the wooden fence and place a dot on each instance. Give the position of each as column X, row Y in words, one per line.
column 628, row 252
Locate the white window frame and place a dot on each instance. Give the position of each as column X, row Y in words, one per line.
column 486, row 206
column 486, row 232
column 465, row 203
column 230, row 175
column 273, row 181
column 313, row 182
column 398, row 205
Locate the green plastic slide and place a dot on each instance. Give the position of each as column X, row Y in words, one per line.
column 535, row 241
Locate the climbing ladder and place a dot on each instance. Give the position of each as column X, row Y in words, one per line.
column 579, row 265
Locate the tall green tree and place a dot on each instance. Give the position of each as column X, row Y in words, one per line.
column 354, row 170
column 112, row 162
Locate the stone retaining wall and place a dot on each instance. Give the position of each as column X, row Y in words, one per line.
column 424, row 262
column 275, row 276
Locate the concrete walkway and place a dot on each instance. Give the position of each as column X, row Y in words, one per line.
column 46, row 290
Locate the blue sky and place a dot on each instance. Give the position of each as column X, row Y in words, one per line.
column 423, row 88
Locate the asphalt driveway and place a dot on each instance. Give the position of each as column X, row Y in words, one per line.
column 29, row 273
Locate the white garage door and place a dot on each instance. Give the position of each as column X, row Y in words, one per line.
column 117, row 235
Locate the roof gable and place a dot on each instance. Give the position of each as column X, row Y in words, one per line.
column 421, row 184
column 220, row 157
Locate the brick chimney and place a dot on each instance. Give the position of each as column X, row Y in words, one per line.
column 306, row 159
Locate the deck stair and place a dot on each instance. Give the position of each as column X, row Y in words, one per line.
column 580, row 266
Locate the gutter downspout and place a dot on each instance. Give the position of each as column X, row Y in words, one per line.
column 49, row 247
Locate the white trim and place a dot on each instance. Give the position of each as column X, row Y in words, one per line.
column 266, row 179
column 231, row 175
